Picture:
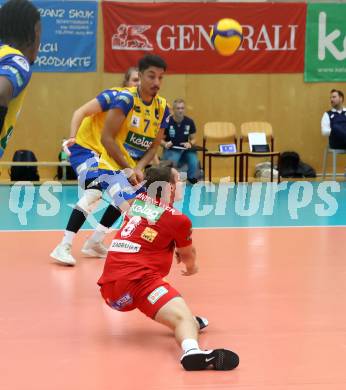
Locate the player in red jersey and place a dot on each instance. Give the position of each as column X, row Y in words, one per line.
column 141, row 255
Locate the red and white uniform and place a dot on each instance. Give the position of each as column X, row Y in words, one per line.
column 141, row 254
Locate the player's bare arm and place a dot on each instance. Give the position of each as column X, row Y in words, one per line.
column 113, row 122
column 187, row 256
column 151, row 152
column 92, row 107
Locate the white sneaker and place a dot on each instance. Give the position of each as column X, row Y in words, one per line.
column 94, row 249
column 62, row 254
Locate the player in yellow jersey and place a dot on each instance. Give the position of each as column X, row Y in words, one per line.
column 133, row 130
column 84, row 147
column 20, row 31
column 140, row 114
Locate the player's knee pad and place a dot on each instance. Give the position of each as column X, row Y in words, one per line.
column 89, row 199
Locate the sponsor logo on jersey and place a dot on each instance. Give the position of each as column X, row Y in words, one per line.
column 22, row 62
column 106, row 96
column 149, row 234
column 123, row 97
column 157, row 294
column 138, row 141
column 136, row 109
column 14, row 71
column 146, row 210
column 125, row 300
column 135, row 121
column 124, row 246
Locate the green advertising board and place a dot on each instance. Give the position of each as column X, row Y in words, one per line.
column 325, row 43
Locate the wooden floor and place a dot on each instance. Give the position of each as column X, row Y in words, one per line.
column 276, row 296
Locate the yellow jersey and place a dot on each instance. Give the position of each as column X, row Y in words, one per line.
column 139, row 129
column 89, row 132
column 16, row 68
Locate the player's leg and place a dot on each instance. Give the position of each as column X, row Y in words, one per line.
column 94, row 246
column 177, row 316
column 160, row 301
column 191, row 159
column 85, row 163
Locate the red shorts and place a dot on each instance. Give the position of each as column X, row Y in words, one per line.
column 148, row 294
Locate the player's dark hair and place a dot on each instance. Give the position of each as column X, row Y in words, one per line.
column 151, row 60
column 17, row 23
column 158, row 175
column 128, row 74
column 340, row 93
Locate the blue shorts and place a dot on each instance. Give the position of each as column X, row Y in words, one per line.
column 84, row 162
column 117, row 186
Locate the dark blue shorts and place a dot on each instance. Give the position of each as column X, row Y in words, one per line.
column 84, row 162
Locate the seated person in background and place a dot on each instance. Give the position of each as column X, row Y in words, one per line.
column 180, row 136
column 333, row 121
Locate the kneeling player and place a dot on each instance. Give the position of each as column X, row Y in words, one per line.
column 140, row 256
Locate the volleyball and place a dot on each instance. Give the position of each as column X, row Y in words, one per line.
column 226, row 35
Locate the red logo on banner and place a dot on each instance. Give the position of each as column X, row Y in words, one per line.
column 273, row 36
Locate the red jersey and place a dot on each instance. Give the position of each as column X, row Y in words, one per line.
column 145, row 243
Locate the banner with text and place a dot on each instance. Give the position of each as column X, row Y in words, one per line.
column 68, row 40
column 273, row 36
column 325, row 54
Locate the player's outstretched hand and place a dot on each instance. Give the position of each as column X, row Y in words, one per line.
column 190, row 271
column 135, row 176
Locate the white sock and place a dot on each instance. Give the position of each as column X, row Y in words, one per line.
column 189, row 344
column 68, row 237
column 99, row 233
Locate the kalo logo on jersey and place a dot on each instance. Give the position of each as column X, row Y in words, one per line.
column 146, row 210
column 138, row 141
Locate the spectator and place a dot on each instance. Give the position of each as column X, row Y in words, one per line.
column 180, row 137
column 333, row 122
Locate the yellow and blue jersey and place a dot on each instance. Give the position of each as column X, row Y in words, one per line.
column 16, row 68
column 139, row 129
column 89, row 132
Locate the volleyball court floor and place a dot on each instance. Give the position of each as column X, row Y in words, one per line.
column 271, row 284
